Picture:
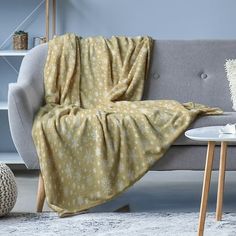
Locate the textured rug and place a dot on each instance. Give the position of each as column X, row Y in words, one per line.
column 107, row 224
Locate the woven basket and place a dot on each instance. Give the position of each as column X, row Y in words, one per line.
column 20, row 41
column 8, row 190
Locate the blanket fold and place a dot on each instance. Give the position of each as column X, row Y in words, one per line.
column 94, row 137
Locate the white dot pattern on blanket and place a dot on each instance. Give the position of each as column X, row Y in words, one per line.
column 94, row 137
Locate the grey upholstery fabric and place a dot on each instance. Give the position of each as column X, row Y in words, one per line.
column 24, row 99
column 226, row 118
column 182, row 70
column 193, row 158
column 191, row 71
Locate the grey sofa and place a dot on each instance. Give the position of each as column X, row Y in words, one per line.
column 182, row 70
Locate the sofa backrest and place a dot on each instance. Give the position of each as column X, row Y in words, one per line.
column 184, row 70
column 191, row 70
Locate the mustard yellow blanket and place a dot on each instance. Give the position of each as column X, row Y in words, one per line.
column 94, row 137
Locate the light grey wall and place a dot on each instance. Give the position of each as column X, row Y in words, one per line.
column 161, row 19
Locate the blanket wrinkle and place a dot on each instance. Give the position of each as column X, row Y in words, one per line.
column 94, row 137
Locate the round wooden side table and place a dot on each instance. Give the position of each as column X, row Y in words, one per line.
column 211, row 135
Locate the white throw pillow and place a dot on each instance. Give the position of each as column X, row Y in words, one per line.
column 230, row 67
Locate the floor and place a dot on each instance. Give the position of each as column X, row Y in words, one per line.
column 167, row 191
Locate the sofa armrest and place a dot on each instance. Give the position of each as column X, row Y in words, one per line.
column 22, row 106
column 24, row 99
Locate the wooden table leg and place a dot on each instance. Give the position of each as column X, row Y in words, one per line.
column 47, row 19
column 41, row 194
column 206, row 186
column 221, row 181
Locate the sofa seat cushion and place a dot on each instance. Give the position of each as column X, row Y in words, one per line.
column 226, row 118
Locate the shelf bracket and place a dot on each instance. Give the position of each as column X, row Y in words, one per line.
column 9, row 63
column 22, row 23
column 11, row 34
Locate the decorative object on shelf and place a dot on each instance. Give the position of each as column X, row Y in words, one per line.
column 20, row 40
column 47, row 19
column 8, row 190
column 39, row 40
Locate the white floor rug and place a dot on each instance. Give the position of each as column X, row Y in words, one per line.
column 114, row 224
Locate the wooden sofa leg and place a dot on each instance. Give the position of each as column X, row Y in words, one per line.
column 124, row 208
column 40, row 194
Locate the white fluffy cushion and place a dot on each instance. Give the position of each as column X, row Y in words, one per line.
column 230, row 67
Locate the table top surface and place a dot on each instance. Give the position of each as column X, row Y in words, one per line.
column 210, row 133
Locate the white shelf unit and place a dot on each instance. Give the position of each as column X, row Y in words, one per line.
column 14, row 158
column 13, row 53
column 3, row 106
column 10, row 53
column 10, row 157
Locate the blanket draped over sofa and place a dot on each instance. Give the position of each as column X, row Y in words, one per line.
column 94, row 137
